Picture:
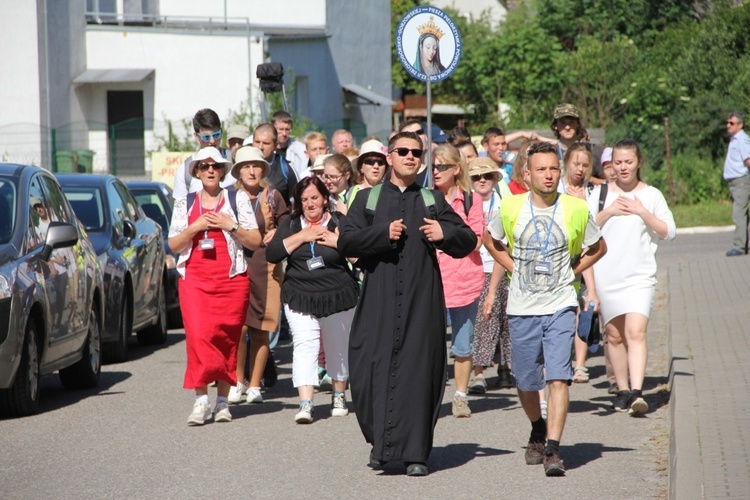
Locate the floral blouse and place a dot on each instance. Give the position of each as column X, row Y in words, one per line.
column 246, row 221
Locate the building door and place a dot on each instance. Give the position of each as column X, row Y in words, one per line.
column 125, row 120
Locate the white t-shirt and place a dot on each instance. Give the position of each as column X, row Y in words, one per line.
column 533, row 293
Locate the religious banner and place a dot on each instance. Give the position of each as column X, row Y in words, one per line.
column 428, row 44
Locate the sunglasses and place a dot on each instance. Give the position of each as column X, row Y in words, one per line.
column 213, row 135
column 417, row 153
column 731, row 122
column 374, row 161
column 205, row 166
column 442, row 167
column 488, row 177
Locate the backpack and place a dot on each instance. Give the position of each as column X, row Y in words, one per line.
column 374, row 195
column 232, row 195
column 602, row 196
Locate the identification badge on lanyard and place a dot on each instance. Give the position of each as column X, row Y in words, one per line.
column 207, row 244
column 315, row 263
column 543, row 267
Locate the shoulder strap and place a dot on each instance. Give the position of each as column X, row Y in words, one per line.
column 372, row 197
column 428, row 198
column 188, row 177
column 232, row 194
column 603, row 188
column 284, row 167
column 468, row 202
column 190, row 200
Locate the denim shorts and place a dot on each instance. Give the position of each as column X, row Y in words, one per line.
column 542, row 342
column 462, row 328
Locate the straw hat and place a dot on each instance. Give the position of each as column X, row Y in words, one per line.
column 483, row 165
column 318, row 165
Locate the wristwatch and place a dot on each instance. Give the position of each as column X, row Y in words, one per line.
column 235, row 227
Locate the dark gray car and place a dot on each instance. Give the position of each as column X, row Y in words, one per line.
column 51, row 307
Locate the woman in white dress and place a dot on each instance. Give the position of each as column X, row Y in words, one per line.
column 635, row 216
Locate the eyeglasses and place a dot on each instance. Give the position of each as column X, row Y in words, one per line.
column 417, row 153
column 490, row 176
column 729, row 122
column 213, row 135
column 419, row 131
column 442, row 167
column 332, row 178
column 373, row 161
column 205, row 166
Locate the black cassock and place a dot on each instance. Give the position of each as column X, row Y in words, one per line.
column 397, row 354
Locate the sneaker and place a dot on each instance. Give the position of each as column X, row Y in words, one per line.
column 461, row 407
column 236, row 393
column 253, row 395
column 622, row 401
column 534, row 453
column 639, row 406
column 505, row 379
column 479, row 386
column 221, row 413
column 613, row 389
column 305, row 413
column 325, row 383
column 201, row 413
column 734, row 253
column 339, row 408
column 553, row 466
column 543, row 408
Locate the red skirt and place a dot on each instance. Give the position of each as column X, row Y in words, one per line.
column 213, row 307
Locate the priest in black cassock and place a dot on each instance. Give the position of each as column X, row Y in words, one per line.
column 397, row 353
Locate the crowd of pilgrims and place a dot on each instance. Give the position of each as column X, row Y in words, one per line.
column 280, row 232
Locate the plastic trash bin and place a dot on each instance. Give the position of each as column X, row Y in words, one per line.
column 85, row 161
column 67, row 161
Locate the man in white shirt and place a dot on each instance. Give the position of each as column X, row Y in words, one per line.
column 736, row 172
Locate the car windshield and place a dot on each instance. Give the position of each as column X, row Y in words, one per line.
column 8, row 213
column 87, row 204
column 152, row 206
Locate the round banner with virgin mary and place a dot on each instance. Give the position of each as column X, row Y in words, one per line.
column 428, row 44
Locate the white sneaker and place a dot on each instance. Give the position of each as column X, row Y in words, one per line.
column 221, row 413
column 543, row 407
column 305, row 413
column 236, row 393
column 201, row 413
column 253, row 395
column 339, row 408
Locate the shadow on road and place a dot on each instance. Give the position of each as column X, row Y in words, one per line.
column 54, row 396
column 582, row 453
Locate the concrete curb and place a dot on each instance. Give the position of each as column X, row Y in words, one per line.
column 684, row 433
column 705, row 229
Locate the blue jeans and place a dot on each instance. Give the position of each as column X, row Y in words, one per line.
column 462, row 328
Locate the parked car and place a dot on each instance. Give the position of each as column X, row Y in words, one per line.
column 155, row 198
column 51, row 291
column 130, row 249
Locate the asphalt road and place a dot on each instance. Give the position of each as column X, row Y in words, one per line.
column 129, row 439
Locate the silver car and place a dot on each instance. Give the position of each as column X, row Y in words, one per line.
column 51, row 307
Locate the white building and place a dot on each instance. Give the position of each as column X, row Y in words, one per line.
column 108, row 75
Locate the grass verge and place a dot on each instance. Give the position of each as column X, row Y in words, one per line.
column 710, row 213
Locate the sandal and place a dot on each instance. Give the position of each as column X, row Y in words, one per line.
column 581, row 375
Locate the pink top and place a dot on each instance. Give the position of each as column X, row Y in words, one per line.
column 463, row 279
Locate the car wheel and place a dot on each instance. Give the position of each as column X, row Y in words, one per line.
column 22, row 398
column 86, row 372
column 118, row 351
column 156, row 333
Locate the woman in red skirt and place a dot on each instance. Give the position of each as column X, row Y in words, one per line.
column 214, row 288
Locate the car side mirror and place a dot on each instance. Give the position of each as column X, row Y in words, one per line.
column 128, row 229
column 59, row 235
